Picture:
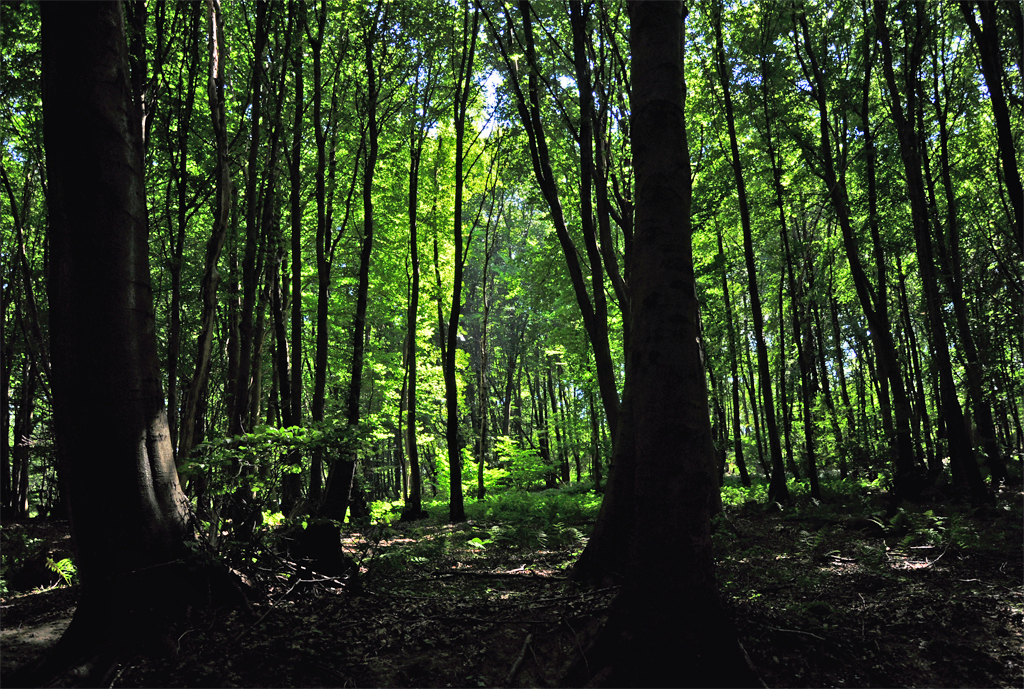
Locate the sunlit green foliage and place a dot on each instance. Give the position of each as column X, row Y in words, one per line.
column 516, row 282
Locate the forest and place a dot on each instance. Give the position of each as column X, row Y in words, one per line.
column 479, row 343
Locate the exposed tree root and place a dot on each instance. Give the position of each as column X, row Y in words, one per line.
column 135, row 615
column 697, row 653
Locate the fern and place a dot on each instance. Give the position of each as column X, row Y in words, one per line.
column 65, row 568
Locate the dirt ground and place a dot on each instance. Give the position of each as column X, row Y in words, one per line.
column 820, row 599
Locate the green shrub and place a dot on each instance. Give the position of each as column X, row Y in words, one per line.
column 525, row 467
column 735, row 493
column 386, row 511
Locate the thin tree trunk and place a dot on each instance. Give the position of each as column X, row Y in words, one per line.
column 24, row 426
column 179, row 173
column 787, row 409
column 239, row 421
column 293, row 482
column 961, row 448
column 873, row 303
column 414, row 501
column 222, row 209
column 341, row 479
column 595, row 443
column 6, row 371
column 987, row 36
column 949, row 254
column 463, row 84
column 777, row 489
column 741, row 465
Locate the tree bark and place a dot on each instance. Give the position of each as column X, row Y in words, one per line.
column 340, row 482
column 6, row 370
column 128, row 514
column 952, row 274
column 668, row 627
column 463, row 83
column 179, row 176
column 293, row 483
column 414, row 501
column 240, row 421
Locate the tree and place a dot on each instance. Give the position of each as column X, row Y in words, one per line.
column 777, row 490
column 667, row 627
column 873, row 301
column 129, row 517
column 340, row 480
column 418, row 130
column 987, row 39
column 463, row 83
column 961, row 448
column 197, row 388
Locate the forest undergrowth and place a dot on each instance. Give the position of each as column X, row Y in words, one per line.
column 829, row 593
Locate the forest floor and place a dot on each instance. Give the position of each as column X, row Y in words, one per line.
column 822, row 596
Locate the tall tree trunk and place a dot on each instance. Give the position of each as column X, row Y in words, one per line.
column 418, row 135
column 128, row 514
column 873, row 302
column 600, row 557
column 323, row 263
column 949, row 254
column 961, row 448
column 668, row 623
column 240, row 421
column 341, row 479
column 839, row 359
column 528, row 106
column 483, row 380
column 290, row 488
column 463, row 84
column 806, row 363
column 741, row 465
column 796, row 296
column 293, row 482
column 987, row 37
column 787, row 408
column 777, row 490
column 221, row 217
column 179, row 174
column 920, row 416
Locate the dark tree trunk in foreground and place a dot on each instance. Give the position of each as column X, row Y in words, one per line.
column 128, row 514
column 668, row 627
